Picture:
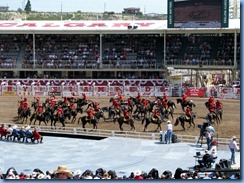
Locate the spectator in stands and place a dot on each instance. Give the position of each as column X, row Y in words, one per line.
column 63, row 173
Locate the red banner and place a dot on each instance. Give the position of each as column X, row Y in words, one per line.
column 195, row 92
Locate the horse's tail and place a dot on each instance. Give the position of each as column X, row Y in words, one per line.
column 177, row 122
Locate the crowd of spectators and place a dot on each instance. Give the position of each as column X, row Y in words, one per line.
column 118, row 51
column 63, row 172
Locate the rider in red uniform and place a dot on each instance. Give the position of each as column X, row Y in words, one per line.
column 116, row 104
column 126, row 114
column 138, row 97
column 145, row 103
column 25, row 104
column 90, row 113
column 37, row 99
column 156, row 114
column 96, row 108
column 210, row 100
column 84, row 97
column 188, row 111
column 184, row 98
column 72, row 106
column 219, row 104
column 66, row 100
column 165, row 97
column 60, row 110
column 39, row 110
column 165, row 105
column 120, row 97
column 212, row 107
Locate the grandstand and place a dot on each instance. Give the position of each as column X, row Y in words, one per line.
column 114, row 49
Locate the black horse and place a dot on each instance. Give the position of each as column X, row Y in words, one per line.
column 25, row 114
column 170, row 103
column 164, row 113
column 74, row 113
column 152, row 120
column 141, row 111
column 86, row 119
column 44, row 117
column 185, row 104
column 57, row 118
column 213, row 118
column 182, row 119
column 121, row 120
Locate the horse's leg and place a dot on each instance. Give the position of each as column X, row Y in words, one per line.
column 183, row 126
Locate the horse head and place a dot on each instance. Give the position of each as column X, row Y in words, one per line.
column 111, row 99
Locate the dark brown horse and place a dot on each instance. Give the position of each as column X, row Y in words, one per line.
column 121, row 120
column 153, row 120
column 183, row 119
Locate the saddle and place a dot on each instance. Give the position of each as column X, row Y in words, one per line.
column 154, row 118
column 187, row 117
column 126, row 119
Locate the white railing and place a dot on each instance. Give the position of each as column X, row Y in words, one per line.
column 125, row 134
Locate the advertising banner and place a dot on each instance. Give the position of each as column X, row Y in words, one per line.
column 195, row 92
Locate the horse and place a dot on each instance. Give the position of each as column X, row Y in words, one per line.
column 57, row 118
column 219, row 112
column 135, row 100
column 185, row 104
column 140, row 110
column 44, row 117
column 170, row 103
column 182, row 119
column 99, row 114
column 25, row 114
column 75, row 112
column 213, row 118
column 122, row 120
column 113, row 113
column 152, row 120
column 86, row 119
column 164, row 113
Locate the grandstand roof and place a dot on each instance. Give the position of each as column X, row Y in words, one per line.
column 104, row 26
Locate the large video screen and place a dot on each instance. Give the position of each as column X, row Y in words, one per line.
column 198, row 13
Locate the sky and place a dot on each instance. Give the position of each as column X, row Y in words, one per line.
column 117, row 6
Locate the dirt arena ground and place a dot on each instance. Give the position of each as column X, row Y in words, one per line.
column 229, row 126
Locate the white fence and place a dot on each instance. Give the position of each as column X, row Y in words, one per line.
column 126, row 90
column 128, row 134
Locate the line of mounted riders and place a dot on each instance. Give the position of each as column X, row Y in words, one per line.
column 122, row 111
column 22, row 134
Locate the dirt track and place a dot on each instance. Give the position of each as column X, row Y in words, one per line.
column 229, row 126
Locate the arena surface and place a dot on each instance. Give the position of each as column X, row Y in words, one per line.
column 124, row 155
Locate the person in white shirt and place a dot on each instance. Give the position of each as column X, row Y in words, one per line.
column 233, row 147
column 169, row 130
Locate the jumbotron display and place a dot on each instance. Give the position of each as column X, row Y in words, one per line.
column 198, row 13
